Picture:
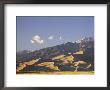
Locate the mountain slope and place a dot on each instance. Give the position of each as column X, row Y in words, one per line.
column 77, row 56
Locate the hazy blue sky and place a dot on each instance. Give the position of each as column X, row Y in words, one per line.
column 51, row 30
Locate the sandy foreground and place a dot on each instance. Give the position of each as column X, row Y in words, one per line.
column 59, row 73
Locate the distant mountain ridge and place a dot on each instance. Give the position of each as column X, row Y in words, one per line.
column 49, row 52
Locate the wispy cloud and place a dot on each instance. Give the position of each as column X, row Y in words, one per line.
column 37, row 39
column 50, row 37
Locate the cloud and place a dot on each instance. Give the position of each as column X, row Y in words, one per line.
column 37, row 39
column 60, row 38
column 50, row 37
column 31, row 41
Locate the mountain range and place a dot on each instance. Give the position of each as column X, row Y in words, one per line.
column 69, row 56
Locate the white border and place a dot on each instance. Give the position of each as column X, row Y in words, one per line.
column 100, row 77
